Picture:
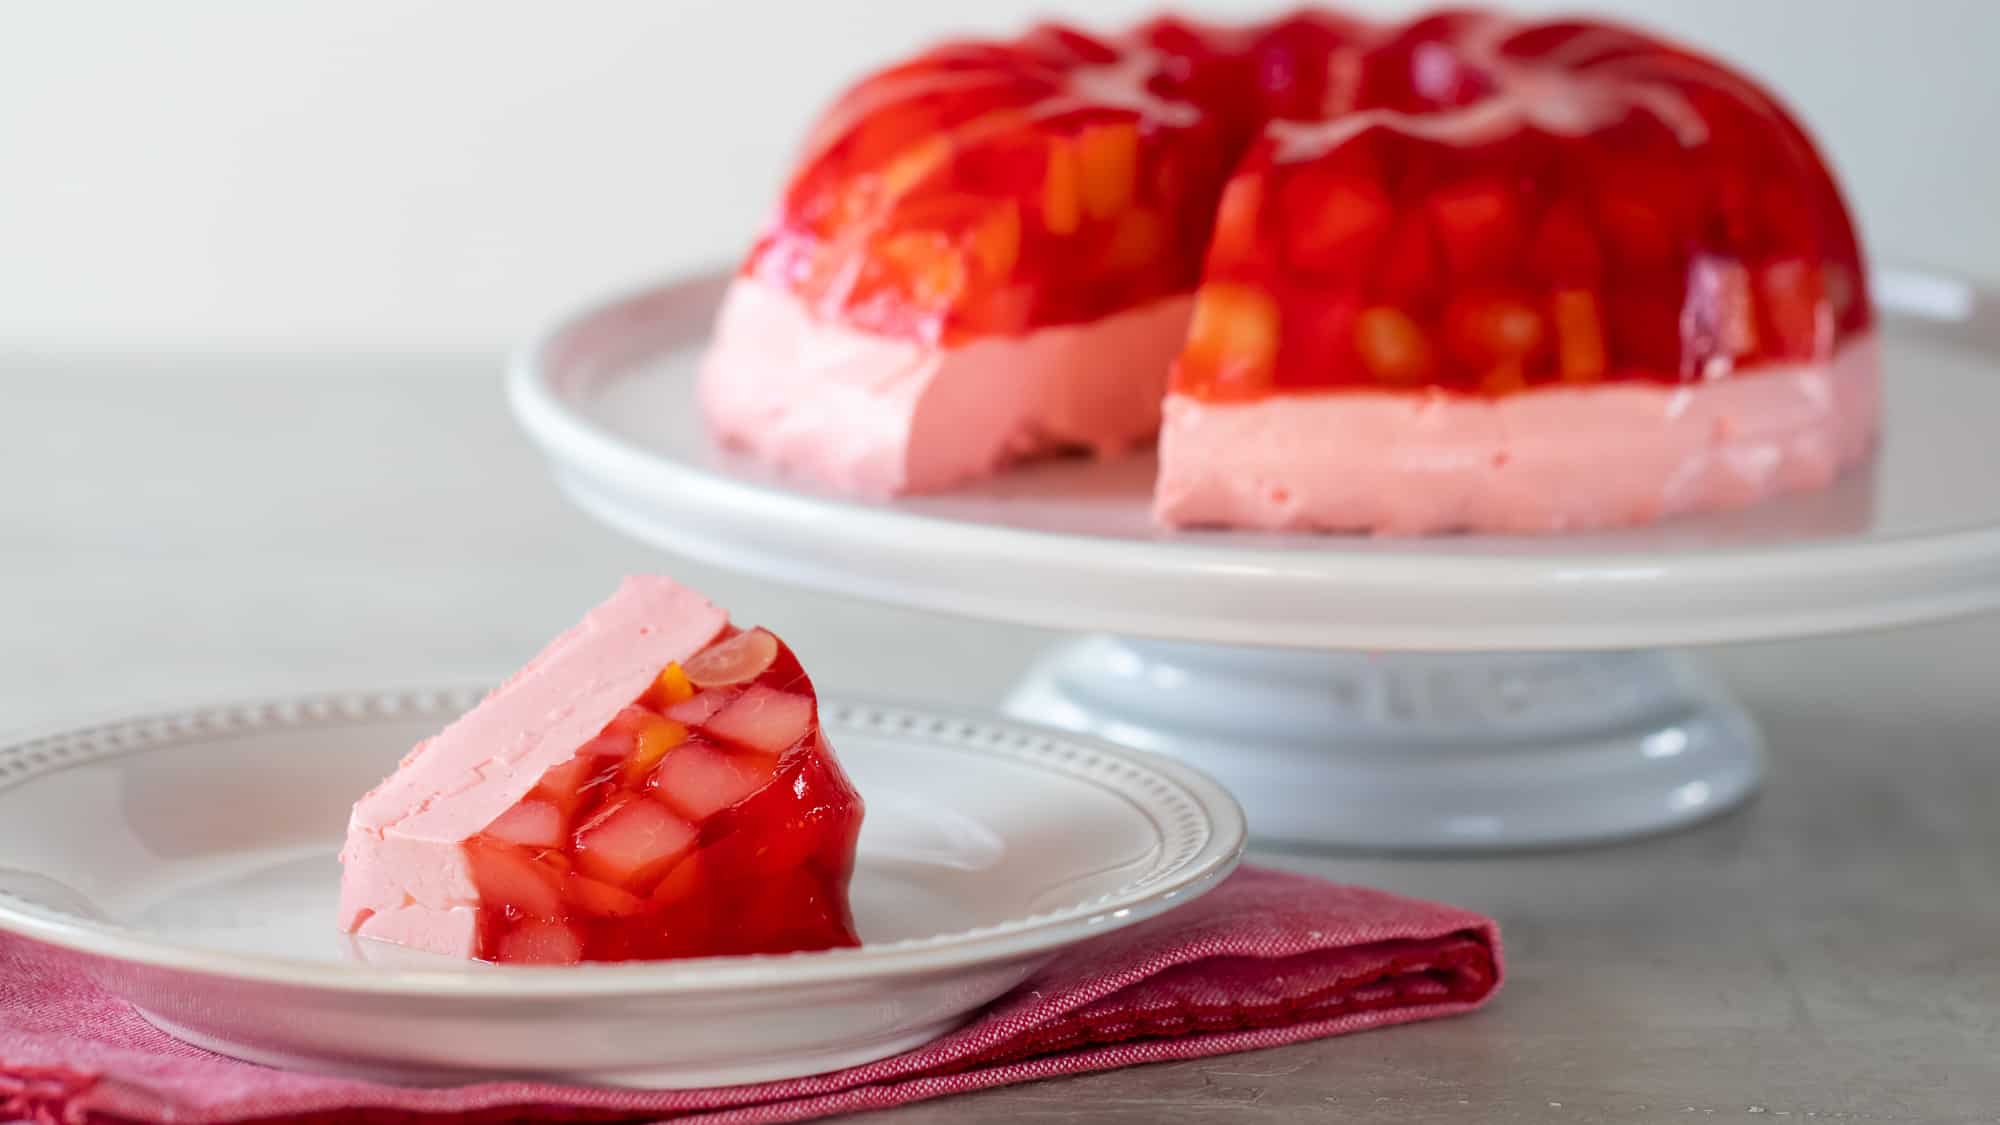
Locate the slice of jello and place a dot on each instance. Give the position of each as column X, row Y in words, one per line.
column 655, row 784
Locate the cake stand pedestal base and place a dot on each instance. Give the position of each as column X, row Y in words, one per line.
column 1424, row 752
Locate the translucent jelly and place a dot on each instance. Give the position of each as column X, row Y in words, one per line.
column 1500, row 206
column 1461, row 202
column 986, row 188
column 709, row 817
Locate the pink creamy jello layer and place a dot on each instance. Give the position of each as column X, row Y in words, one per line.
column 1545, row 460
column 880, row 416
column 404, row 876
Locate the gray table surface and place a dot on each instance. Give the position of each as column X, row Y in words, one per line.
column 181, row 530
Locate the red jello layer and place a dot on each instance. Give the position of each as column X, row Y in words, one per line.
column 1506, row 206
column 987, row 188
column 1461, row 202
column 707, row 818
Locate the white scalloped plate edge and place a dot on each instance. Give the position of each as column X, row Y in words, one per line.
column 1201, row 821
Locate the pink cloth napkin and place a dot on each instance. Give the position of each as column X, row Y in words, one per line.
column 1267, row 958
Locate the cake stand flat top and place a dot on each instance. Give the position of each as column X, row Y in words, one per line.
column 607, row 393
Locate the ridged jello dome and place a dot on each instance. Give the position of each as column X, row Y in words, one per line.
column 1479, row 216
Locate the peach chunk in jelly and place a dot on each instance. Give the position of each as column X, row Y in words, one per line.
column 707, row 818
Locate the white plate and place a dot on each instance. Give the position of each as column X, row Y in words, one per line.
column 190, row 859
column 608, row 395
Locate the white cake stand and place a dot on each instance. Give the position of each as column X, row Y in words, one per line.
column 1468, row 692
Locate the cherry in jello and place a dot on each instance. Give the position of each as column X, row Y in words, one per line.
column 1491, row 207
column 707, row 818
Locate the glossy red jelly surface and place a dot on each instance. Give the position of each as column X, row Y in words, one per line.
column 1487, row 206
column 989, row 188
column 709, row 817
column 1463, row 202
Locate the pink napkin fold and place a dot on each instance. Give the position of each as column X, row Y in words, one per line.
column 1267, row 958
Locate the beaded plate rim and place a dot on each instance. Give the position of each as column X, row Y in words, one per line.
column 1200, row 828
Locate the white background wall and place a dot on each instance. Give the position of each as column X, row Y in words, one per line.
column 391, row 175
